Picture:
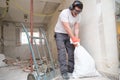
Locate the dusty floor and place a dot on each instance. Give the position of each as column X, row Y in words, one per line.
column 90, row 78
column 12, row 73
column 17, row 73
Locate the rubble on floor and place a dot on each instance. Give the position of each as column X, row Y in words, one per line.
column 13, row 69
column 2, row 58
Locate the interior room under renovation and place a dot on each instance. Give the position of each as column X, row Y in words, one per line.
column 28, row 48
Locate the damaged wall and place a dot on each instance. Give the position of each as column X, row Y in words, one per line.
column 10, row 46
column 12, row 43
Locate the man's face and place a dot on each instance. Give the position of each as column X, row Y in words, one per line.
column 76, row 11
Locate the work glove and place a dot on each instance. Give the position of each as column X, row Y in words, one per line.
column 75, row 41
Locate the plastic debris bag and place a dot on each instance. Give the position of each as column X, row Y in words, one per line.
column 84, row 63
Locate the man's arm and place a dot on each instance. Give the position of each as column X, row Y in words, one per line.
column 70, row 33
column 68, row 29
column 76, row 32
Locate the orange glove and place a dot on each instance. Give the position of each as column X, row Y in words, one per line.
column 75, row 39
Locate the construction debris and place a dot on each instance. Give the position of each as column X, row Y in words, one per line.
column 2, row 63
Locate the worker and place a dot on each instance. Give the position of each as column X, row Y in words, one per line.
column 66, row 28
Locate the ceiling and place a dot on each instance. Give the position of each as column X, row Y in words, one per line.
column 19, row 10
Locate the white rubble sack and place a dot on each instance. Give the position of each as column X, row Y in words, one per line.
column 84, row 63
column 2, row 57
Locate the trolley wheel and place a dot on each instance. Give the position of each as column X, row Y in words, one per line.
column 30, row 77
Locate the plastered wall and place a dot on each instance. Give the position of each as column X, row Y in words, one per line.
column 98, row 33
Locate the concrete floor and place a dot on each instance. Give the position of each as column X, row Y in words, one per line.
column 17, row 73
column 12, row 73
column 93, row 78
column 90, row 78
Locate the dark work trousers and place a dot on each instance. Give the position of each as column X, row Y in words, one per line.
column 64, row 47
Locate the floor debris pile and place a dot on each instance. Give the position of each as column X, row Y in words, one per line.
column 17, row 69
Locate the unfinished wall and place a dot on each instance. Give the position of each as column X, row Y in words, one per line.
column 98, row 34
column 110, row 35
column 10, row 47
column 15, row 49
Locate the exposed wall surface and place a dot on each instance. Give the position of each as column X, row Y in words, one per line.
column 10, row 47
column 110, row 35
column 98, row 33
column 15, row 49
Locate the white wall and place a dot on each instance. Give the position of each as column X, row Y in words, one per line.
column 110, row 35
column 98, row 33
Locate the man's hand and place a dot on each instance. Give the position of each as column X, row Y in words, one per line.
column 75, row 41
